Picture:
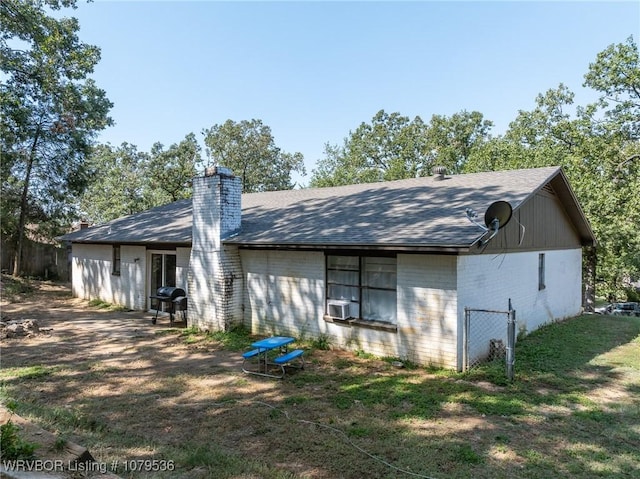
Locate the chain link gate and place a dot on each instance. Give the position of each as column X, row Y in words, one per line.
column 489, row 335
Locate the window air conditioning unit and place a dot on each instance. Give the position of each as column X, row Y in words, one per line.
column 338, row 309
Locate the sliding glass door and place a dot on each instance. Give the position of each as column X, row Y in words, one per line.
column 162, row 270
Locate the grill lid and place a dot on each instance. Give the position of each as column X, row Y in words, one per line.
column 170, row 292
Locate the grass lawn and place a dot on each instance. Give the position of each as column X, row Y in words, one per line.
column 573, row 410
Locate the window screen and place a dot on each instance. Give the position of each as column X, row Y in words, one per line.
column 368, row 282
column 379, row 279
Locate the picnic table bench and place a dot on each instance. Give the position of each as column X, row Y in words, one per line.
column 261, row 351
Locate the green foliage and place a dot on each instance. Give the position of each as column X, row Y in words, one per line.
column 616, row 75
column 452, row 140
column 59, row 444
column 364, row 355
column 12, row 446
column 50, row 113
column 170, row 172
column 12, row 288
column 118, row 183
column 98, row 303
column 464, row 453
column 599, row 148
column 249, row 149
column 393, row 147
column 322, row 342
column 37, row 371
column 191, row 335
column 401, row 363
column 632, row 295
column 236, row 339
column 125, row 181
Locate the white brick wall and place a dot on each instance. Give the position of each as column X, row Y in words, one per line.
column 133, row 267
column 92, row 277
column 488, row 281
column 427, row 309
column 90, row 266
column 215, row 281
column 182, row 268
column 284, row 292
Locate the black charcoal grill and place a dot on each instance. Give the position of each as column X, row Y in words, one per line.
column 175, row 298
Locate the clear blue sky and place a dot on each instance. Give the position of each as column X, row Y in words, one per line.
column 313, row 71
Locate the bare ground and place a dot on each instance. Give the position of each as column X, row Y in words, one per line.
column 116, row 372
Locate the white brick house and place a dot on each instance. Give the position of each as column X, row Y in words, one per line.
column 402, row 255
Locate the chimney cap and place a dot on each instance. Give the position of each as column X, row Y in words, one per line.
column 217, row 171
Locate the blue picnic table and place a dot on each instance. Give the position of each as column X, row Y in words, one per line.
column 261, row 351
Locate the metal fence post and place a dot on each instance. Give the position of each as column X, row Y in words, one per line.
column 511, row 341
column 465, row 339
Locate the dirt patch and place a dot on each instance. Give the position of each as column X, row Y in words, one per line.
column 118, row 371
column 129, row 390
column 97, row 355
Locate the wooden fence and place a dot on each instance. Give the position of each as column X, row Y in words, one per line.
column 39, row 260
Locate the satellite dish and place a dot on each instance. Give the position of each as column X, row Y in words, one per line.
column 497, row 215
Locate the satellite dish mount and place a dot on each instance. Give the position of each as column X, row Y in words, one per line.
column 496, row 217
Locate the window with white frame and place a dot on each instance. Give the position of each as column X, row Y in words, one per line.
column 368, row 283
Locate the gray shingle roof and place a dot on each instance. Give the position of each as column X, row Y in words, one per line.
column 413, row 212
column 167, row 224
column 418, row 212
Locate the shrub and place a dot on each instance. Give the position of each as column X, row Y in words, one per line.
column 12, row 446
column 632, row 295
column 322, row 342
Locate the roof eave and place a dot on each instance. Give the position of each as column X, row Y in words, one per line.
column 148, row 243
column 404, row 248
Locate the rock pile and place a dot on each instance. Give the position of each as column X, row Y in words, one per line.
column 16, row 328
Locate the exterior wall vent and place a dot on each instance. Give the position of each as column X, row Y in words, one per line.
column 549, row 190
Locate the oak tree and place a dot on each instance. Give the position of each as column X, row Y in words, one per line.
column 51, row 112
column 394, row 147
column 119, row 183
column 249, row 149
column 170, row 171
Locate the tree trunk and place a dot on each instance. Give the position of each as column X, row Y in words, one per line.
column 589, row 295
column 17, row 259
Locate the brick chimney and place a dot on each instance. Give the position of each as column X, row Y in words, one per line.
column 215, row 271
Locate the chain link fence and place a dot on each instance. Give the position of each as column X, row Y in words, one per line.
column 489, row 335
